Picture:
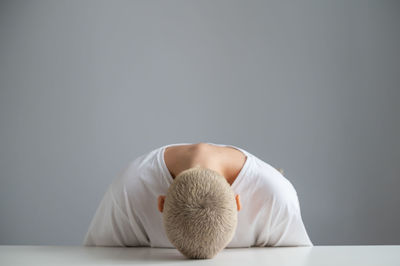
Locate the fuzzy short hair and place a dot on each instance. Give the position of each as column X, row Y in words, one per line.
column 200, row 213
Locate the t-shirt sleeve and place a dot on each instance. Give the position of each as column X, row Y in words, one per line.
column 282, row 223
column 289, row 229
column 110, row 226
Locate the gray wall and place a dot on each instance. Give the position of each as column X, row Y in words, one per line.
column 308, row 86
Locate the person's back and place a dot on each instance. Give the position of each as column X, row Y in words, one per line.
column 266, row 214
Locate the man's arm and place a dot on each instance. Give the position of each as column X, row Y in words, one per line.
column 289, row 230
column 283, row 224
column 110, row 226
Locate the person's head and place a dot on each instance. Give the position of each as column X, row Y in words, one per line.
column 199, row 212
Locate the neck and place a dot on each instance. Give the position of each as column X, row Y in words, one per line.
column 225, row 161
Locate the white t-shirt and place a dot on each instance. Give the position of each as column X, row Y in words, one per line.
column 128, row 214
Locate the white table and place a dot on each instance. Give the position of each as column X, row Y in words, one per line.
column 317, row 255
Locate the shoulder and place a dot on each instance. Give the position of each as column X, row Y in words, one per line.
column 142, row 166
column 276, row 188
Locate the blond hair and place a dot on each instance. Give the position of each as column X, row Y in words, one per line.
column 200, row 213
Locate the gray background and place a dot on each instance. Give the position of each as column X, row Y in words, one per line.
column 308, row 86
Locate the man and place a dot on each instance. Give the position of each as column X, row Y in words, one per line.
column 198, row 198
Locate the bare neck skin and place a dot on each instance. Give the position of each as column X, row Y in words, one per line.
column 227, row 161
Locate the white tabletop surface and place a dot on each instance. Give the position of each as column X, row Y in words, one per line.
column 317, row 255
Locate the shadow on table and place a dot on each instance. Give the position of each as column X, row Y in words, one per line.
column 232, row 256
column 134, row 255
